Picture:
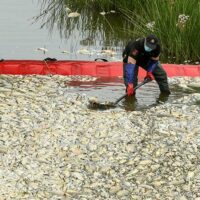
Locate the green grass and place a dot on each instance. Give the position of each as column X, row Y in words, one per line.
column 179, row 42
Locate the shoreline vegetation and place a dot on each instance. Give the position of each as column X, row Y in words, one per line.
column 176, row 23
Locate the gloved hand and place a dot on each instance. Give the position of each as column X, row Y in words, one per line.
column 149, row 76
column 130, row 89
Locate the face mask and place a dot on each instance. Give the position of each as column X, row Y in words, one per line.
column 147, row 49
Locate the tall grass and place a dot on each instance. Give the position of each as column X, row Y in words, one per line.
column 180, row 38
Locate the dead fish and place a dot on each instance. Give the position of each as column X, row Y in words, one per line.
column 74, row 14
column 42, row 49
column 84, row 51
column 103, row 13
column 67, row 52
column 108, row 52
column 185, row 87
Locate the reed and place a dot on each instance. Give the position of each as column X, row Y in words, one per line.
column 176, row 23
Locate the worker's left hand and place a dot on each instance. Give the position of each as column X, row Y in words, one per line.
column 149, row 76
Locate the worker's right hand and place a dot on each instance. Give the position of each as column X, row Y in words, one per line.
column 130, row 89
column 149, row 76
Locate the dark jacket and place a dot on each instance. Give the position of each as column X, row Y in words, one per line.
column 135, row 49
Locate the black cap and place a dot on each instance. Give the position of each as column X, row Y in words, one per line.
column 151, row 41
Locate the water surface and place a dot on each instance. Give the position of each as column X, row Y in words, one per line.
column 20, row 36
column 110, row 89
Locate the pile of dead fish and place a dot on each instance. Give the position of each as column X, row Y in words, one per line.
column 53, row 147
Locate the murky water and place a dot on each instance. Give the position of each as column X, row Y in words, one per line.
column 20, row 35
column 111, row 89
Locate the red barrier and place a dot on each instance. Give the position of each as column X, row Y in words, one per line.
column 92, row 68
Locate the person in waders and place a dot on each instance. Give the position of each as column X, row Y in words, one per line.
column 144, row 52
